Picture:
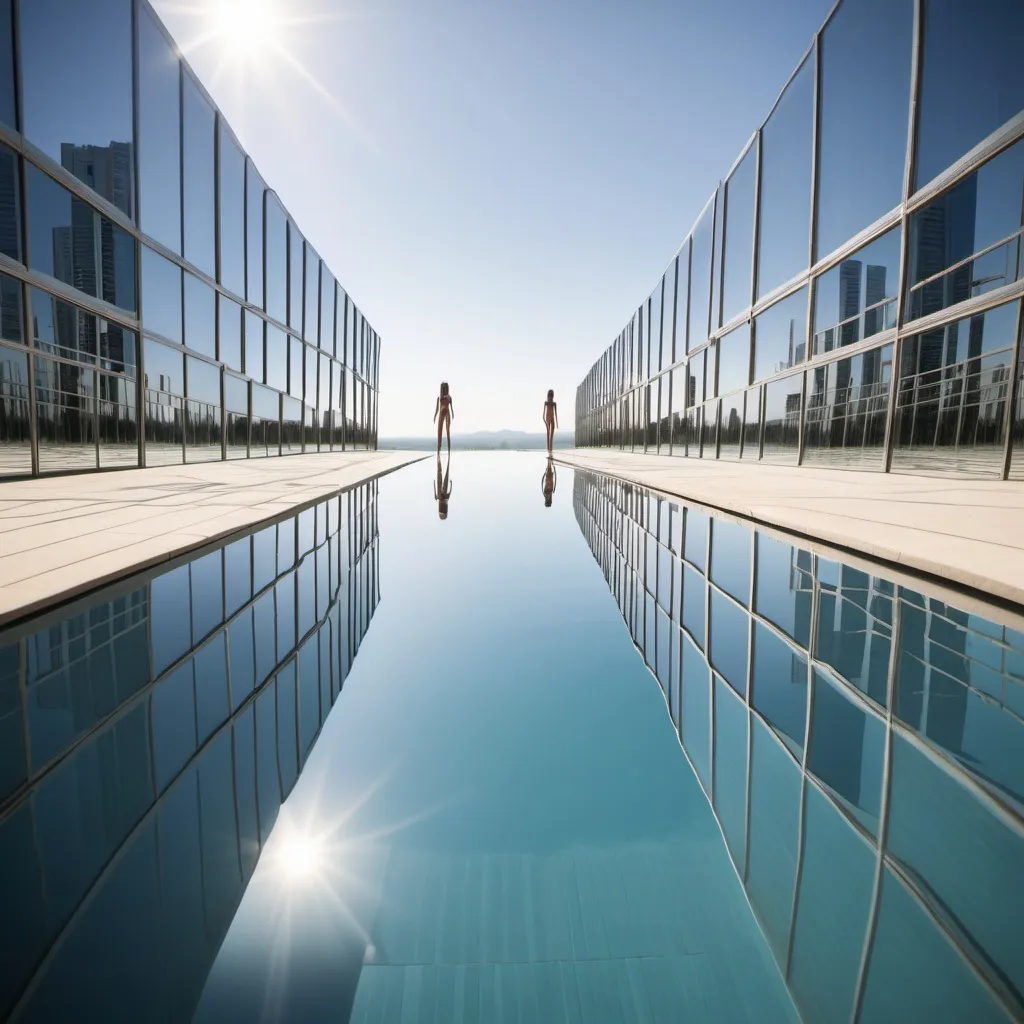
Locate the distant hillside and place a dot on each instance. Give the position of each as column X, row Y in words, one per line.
column 483, row 440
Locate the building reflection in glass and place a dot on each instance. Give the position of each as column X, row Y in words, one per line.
column 861, row 742
column 148, row 739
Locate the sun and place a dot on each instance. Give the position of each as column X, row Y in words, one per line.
column 246, row 29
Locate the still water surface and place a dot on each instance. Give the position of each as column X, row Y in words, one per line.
column 372, row 765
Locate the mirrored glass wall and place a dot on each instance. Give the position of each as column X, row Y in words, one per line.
column 851, row 293
column 158, row 304
column 149, row 736
column 861, row 741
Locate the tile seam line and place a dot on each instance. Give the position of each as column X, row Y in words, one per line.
column 1006, row 595
column 22, row 612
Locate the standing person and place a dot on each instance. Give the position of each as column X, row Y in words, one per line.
column 445, row 407
column 550, row 419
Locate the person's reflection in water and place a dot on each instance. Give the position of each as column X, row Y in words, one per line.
column 548, row 482
column 442, row 488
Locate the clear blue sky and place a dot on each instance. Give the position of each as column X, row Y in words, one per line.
column 498, row 185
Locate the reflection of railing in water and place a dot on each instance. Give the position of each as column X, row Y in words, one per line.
column 152, row 736
column 861, row 744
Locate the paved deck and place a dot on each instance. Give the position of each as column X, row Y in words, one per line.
column 967, row 531
column 62, row 536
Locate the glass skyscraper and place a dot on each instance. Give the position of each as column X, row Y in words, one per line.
column 851, row 293
column 158, row 304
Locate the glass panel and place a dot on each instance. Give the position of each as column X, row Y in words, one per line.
column 327, row 312
column 846, row 751
column 199, row 316
column 254, row 189
column 655, row 311
column 980, row 215
column 782, row 419
column 857, row 298
column 786, row 159
column 277, row 358
column 780, row 334
column 734, row 360
column 730, row 789
column 117, row 347
column 774, row 822
column 311, row 390
column 165, row 368
column 236, row 410
column 159, row 139
column 78, row 109
column 8, row 106
column 700, row 279
column 731, row 427
column 729, row 631
column 864, row 117
column 295, row 278
column 847, row 404
column 10, row 193
column 752, row 424
column 296, row 373
column 65, row 416
column 230, row 327
column 63, row 329
column 971, row 81
column 291, row 425
column 232, row 213
column 197, row 132
column 161, row 295
column 118, row 421
column 311, row 321
column 950, row 401
column 15, row 438
column 739, row 236
column 67, row 237
column 277, row 259
column 254, row 346
column 668, row 318
column 203, row 381
column 836, row 881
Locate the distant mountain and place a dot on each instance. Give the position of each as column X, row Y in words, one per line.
column 483, row 440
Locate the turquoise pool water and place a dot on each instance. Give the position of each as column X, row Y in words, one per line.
column 607, row 760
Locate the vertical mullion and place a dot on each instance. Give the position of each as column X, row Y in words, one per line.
column 908, row 184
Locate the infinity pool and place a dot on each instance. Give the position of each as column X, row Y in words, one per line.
column 611, row 759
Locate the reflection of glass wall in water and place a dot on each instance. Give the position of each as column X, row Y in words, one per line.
column 80, row 392
column 148, row 738
column 861, row 741
column 854, row 277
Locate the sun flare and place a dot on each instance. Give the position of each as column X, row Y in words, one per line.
column 246, row 28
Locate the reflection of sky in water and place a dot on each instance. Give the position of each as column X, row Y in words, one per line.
column 498, row 811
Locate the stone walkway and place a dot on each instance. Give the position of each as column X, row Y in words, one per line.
column 967, row 531
column 61, row 536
